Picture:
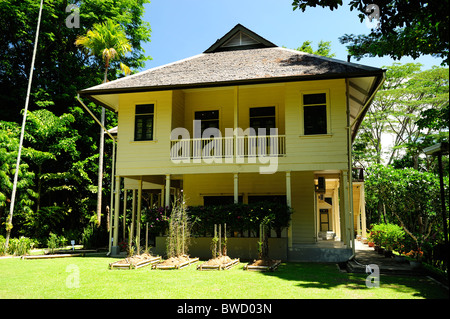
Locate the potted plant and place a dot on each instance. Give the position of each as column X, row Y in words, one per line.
column 374, row 239
column 417, row 255
column 399, row 247
column 392, row 234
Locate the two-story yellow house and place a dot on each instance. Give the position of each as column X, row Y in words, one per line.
column 246, row 120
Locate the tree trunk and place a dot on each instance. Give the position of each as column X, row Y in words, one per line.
column 100, row 158
column 100, row 170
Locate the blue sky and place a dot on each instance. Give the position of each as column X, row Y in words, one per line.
column 183, row 28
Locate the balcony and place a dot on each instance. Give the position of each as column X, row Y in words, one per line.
column 228, row 147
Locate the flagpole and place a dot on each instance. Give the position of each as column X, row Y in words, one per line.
column 27, row 100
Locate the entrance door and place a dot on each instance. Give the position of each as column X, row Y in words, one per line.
column 324, row 220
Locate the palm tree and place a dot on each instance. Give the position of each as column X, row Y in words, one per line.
column 109, row 41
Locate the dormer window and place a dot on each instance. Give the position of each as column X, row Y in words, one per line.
column 240, row 39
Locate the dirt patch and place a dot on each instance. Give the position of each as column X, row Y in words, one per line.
column 219, row 263
column 263, row 265
column 176, row 262
column 172, row 261
column 135, row 261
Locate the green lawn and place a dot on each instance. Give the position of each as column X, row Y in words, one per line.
column 48, row 278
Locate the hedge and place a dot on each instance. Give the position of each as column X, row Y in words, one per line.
column 242, row 218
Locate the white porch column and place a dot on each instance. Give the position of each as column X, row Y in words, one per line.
column 133, row 212
column 289, row 203
column 347, row 229
column 115, row 248
column 124, row 212
column 167, row 191
column 337, row 221
column 363, row 211
column 236, row 188
column 138, row 221
column 358, row 224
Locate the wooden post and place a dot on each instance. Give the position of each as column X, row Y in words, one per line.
column 224, row 250
column 220, row 240
column 215, row 243
column 146, row 237
column 236, row 188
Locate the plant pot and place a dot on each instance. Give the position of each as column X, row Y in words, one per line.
column 400, row 259
column 414, row 264
column 388, row 253
column 371, row 244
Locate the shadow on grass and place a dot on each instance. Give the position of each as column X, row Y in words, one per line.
column 327, row 276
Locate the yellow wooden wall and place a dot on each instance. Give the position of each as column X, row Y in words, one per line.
column 176, row 108
column 303, row 204
column 197, row 185
column 316, row 151
column 302, row 183
column 135, row 158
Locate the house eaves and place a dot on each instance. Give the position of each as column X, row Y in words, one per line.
column 232, row 68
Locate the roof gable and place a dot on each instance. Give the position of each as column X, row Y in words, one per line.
column 239, row 38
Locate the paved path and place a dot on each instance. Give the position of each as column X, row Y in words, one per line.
column 366, row 255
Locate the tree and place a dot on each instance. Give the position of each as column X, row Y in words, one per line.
column 397, row 109
column 9, row 144
column 410, row 198
column 108, row 40
column 406, row 27
column 61, row 70
column 53, row 137
column 323, row 48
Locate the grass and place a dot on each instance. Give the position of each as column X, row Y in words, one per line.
column 48, row 278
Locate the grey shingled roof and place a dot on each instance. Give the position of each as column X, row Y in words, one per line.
column 235, row 67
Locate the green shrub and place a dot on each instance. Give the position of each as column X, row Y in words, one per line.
column 386, row 235
column 2, row 245
column 20, row 246
column 52, row 242
column 240, row 217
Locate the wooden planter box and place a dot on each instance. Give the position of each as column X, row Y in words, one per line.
column 51, row 256
column 147, row 262
column 121, row 265
column 271, row 267
column 177, row 266
column 225, row 266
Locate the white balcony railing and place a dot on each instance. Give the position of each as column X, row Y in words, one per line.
column 228, row 147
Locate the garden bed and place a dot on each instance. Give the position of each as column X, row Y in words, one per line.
column 178, row 262
column 51, row 256
column 219, row 263
column 263, row 265
column 135, row 262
